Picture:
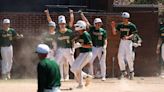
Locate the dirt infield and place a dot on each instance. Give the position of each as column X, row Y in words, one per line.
column 141, row 84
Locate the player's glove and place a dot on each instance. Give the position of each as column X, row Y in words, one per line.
column 19, row 36
column 77, row 45
column 136, row 45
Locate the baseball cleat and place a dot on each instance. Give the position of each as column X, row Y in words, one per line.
column 62, row 80
column 80, row 86
column 4, row 77
column 67, row 78
column 8, row 76
column 123, row 75
column 162, row 76
column 88, row 80
column 131, row 76
column 103, row 79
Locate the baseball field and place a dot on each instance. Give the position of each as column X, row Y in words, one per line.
column 139, row 84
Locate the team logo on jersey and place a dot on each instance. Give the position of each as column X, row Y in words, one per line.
column 64, row 38
column 6, row 35
column 48, row 39
column 124, row 29
column 97, row 33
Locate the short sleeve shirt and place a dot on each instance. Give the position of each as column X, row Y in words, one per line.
column 126, row 30
column 6, row 37
column 98, row 36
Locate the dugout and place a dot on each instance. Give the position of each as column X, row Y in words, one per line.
column 33, row 24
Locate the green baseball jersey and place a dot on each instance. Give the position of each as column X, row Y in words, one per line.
column 85, row 38
column 48, row 75
column 98, row 36
column 48, row 38
column 6, row 37
column 126, row 30
column 63, row 40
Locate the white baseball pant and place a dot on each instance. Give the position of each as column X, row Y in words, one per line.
column 125, row 53
column 101, row 54
column 7, row 59
column 162, row 51
column 162, row 55
column 134, row 54
column 81, row 61
column 63, row 57
column 54, row 89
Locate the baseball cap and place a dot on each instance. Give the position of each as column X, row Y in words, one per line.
column 52, row 24
column 61, row 19
column 97, row 20
column 42, row 49
column 6, row 21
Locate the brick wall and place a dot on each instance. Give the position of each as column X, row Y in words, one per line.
column 32, row 25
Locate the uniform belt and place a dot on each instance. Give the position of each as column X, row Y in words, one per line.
column 98, row 46
column 6, row 46
column 127, row 39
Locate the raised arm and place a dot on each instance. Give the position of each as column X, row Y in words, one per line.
column 113, row 25
column 71, row 22
column 84, row 18
column 48, row 15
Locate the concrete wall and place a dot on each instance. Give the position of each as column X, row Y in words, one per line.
column 32, row 25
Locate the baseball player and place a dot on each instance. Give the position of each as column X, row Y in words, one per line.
column 48, row 72
column 125, row 52
column 63, row 36
column 99, row 39
column 7, row 35
column 49, row 37
column 160, row 46
column 85, row 45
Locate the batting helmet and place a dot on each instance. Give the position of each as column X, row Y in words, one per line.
column 125, row 15
column 42, row 49
column 6, row 21
column 80, row 25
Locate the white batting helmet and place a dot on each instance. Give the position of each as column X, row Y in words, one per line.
column 125, row 15
column 6, row 21
column 42, row 49
column 80, row 25
column 61, row 19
